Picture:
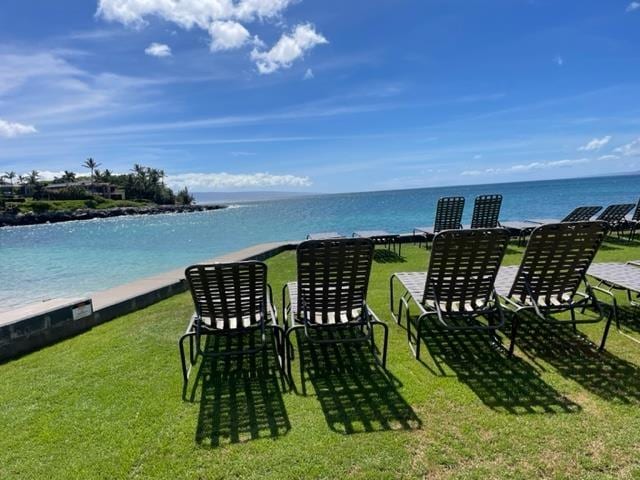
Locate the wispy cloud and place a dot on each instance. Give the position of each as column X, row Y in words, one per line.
column 15, row 129
column 308, row 75
column 595, row 144
column 527, row 167
column 215, row 181
column 558, row 60
column 631, row 149
column 633, row 6
column 158, row 50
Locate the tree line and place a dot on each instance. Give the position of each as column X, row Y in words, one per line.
column 142, row 183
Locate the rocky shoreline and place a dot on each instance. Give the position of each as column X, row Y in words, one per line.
column 19, row 219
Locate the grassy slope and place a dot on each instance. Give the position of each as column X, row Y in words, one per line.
column 107, row 404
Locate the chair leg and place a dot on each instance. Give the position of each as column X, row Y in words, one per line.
column 385, row 342
column 606, row 332
column 185, row 371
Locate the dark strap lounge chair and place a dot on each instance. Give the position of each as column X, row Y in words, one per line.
column 382, row 237
column 578, row 214
column 230, row 299
column 614, row 216
column 553, row 267
column 448, row 217
column 458, row 286
column 486, row 211
column 330, row 294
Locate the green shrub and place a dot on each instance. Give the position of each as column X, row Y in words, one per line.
column 40, row 207
column 91, row 203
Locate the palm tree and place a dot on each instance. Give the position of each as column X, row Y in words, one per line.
column 32, row 178
column 91, row 164
column 10, row 176
column 68, row 177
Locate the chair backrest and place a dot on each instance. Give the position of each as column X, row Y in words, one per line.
column 333, row 277
column 228, row 292
column 556, row 260
column 486, row 211
column 463, row 267
column 636, row 214
column 448, row 214
column 582, row 214
column 615, row 213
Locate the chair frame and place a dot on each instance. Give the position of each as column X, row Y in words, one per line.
column 526, row 291
column 474, row 254
column 448, row 217
column 349, row 259
column 486, row 211
column 207, row 280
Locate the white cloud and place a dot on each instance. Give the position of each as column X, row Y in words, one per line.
column 158, row 50
column 526, row 167
column 631, row 149
column 595, row 144
column 608, row 157
column 14, row 129
column 633, row 6
column 227, row 35
column 213, row 181
column 308, row 75
column 223, row 20
column 289, row 48
column 558, row 60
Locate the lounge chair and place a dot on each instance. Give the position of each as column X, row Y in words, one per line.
column 330, row 295
column 448, row 217
column 614, row 216
column 382, row 237
column 554, row 265
column 578, row 214
column 486, row 211
column 457, row 287
column 230, row 299
column 612, row 276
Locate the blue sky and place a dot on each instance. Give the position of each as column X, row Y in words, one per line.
column 324, row 96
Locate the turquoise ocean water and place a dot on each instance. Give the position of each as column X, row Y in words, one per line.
column 78, row 258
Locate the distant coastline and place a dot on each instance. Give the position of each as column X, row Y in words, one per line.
column 31, row 218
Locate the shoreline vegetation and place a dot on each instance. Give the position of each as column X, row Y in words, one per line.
column 57, row 216
column 28, row 200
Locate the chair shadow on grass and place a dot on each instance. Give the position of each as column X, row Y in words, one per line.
column 240, row 397
column 504, row 384
column 383, row 255
column 574, row 356
column 356, row 394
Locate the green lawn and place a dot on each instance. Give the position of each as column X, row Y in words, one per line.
column 107, row 404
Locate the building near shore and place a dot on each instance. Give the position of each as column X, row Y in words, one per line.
column 103, row 189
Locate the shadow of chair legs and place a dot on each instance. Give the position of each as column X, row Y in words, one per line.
column 503, row 384
column 240, row 397
column 629, row 319
column 356, row 395
column 575, row 357
column 383, row 255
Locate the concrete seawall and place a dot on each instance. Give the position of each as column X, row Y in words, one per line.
column 41, row 324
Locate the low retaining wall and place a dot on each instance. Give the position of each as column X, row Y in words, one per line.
column 41, row 324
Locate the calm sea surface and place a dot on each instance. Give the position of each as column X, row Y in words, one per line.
column 77, row 258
